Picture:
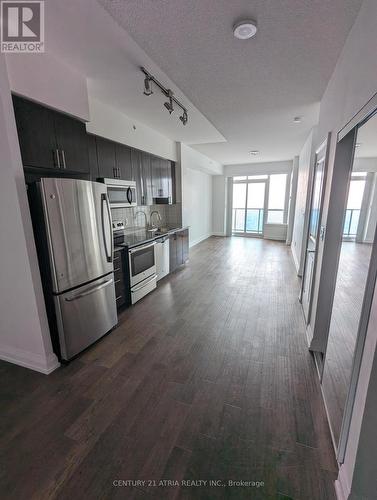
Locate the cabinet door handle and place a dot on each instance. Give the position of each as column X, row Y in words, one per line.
column 57, row 158
column 115, row 173
column 63, row 158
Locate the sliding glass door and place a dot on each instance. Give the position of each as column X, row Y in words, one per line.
column 258, row 201
column 249, row 199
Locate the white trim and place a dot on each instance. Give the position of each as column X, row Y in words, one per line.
column 219, row 234
column 30, row 360
column 202, row 238
column 295, row 261
column 309, row 334
column 342, row 487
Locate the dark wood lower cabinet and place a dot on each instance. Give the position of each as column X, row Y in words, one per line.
column 179, row 248
column 121, row 286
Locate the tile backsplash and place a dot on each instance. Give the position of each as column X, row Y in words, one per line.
column 171, row 215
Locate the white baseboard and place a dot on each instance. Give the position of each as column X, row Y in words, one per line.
column 219, row 234
column 342, row 487
column 202, row 238
column 30, row 360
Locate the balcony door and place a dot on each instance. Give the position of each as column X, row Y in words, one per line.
column 249, row 201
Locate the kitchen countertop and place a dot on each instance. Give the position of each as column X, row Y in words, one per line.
column 142, row 236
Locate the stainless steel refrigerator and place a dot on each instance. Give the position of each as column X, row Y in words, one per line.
column 78, row 230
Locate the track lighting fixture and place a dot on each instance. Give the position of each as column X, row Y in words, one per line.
column 184, row 118
column 169, row 105
column 147, row 86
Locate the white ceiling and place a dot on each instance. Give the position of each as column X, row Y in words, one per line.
column 249, row 90
column 86, row 37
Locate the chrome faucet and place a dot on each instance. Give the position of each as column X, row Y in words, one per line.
column 145, row 216
column 151, row 216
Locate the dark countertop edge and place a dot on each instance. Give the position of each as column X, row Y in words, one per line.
column 117, row 248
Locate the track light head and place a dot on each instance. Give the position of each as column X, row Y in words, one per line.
column 169, row 104
column 184, row 118
column 147, row 86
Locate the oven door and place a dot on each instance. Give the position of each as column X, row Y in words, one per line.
column 142, row 262
column 121, row 196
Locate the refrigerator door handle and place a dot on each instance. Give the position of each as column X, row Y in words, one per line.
column 104, row 199
column 90, row 291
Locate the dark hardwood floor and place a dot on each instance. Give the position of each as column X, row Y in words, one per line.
column 207, row 378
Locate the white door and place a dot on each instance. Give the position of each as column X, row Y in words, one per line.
column 314, row 230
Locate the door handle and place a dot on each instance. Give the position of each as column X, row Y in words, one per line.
column 104, row 199
column 57, row 158
column 129, row 195
column 63, row 158
column 89, row 292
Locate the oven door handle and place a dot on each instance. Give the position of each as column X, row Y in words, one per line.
column 143, row 285
column 142, row 247
column 129, row 195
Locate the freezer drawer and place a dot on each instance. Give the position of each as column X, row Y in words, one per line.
column 85, row 314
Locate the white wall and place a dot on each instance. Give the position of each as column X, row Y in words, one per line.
column 219, row 206
column 302, row 197
column 351, row 86
column 24, row 332
column 196, row 193
column 115, row 125
column 42, row 78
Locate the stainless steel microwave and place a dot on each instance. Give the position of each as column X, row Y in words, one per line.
column 121, row 194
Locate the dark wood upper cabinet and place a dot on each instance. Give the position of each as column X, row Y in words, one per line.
column 36, row 134
column 107, row 167
column 92, row 155
column 137, row 175
column 49, row 139
column 72, row 143
column 146, row 176
column 123, row 161
column 52, row 140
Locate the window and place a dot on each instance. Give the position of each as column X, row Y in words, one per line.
column 355, row 199
column 276, row 198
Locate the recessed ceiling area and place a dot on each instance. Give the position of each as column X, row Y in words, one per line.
column 83, row 35
column 250, row 90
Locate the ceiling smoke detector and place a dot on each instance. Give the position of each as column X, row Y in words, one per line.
column 297, row 119
column 245, row 29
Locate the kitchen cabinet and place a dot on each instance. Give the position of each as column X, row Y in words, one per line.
column 146, row 178
column 49, row 139
column 179, row 248
column 142, row 174
column 35, row 127
column 71, row 143
column 121, row 289
column 123, row 161
column 162, row 180
column 136, row 175
column 92, row 155
column 106, row 158
column 184, row 235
